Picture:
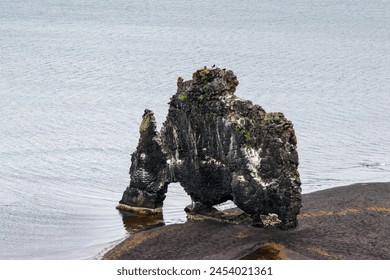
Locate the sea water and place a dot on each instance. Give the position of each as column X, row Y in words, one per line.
column 76, row 76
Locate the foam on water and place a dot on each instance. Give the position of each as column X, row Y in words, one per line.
column 75, row 77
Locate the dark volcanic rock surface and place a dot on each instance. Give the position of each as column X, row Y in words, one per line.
column 219, row 147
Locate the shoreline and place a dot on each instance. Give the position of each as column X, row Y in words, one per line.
column 347, row 222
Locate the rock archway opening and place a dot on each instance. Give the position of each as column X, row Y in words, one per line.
column 175, row 201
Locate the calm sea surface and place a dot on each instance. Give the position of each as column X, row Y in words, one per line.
column 75, row 77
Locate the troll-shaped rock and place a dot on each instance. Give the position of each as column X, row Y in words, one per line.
column 219, row 147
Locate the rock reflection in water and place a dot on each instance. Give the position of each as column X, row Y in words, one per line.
column 134, row 222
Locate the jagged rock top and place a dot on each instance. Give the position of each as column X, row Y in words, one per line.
column 216, row 80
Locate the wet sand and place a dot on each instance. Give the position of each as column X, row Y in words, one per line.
column 351, row 222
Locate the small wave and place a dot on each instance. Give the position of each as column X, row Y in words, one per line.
column 373, row 164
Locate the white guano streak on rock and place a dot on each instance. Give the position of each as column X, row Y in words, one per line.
column 219, row 144
column 176, row 140
column 192, row 143
column 174, row 160
column 171, row 164
column 253, row 163
column 232, row 151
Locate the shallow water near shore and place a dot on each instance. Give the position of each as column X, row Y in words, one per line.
column 76, row 76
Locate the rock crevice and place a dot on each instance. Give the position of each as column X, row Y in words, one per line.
column 219, row 147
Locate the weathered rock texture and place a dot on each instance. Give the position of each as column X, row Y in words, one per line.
column 219, row 147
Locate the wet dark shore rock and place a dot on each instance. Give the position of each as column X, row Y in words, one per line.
column 219, row 147
column 351, row 222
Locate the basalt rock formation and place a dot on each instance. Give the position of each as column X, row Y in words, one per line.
column 219, row 147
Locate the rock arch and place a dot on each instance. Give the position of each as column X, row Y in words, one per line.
column 218, row 147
